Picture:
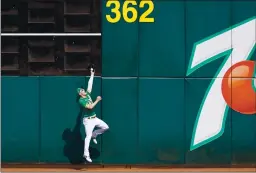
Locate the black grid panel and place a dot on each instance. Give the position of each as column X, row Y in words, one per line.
column 70, row 55
column 60, row 55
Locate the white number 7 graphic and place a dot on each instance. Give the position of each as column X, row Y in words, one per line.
column 237, row 44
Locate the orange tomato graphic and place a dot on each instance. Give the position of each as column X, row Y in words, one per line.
column 238, row 87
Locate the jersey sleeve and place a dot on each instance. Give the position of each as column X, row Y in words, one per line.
column 83, row 102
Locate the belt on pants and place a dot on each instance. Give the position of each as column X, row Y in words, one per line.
column 91, row 117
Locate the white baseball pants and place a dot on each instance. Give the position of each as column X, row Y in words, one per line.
column 89, row 125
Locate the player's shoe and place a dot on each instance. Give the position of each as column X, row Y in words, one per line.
column 88, row 159
column 95, row 141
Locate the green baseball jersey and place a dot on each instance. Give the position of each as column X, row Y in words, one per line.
column 83, row 102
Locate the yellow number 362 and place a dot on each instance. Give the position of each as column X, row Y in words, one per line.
column 125, row 10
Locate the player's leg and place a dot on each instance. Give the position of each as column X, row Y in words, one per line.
column 102, row 127
column 89, row 126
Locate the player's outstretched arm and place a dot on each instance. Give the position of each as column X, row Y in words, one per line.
column 90, row 82
column 91, row 106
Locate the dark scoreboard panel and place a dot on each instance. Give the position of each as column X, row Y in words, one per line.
column 50, row 55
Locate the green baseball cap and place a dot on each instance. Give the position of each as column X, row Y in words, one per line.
column 78, row 90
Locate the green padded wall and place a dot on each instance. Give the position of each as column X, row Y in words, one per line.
column 202, row 20
column 20, row 119
column 243, row 126
column 243, row 138
column 162, row 43
column 217, row 152
column 120, row 107
column 161, row 120
column 120, row 46
column 148, row 101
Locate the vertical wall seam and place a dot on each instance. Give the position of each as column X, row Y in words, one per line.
column 40, row 119
column 101, row 77
column 138, row 87
column 254, row 76
column 231, row 145
column 185, row 49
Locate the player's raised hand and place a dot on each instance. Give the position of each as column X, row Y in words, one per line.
column 99, row 98
column 92, row 71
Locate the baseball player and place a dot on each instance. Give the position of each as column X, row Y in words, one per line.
column 90, row 120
